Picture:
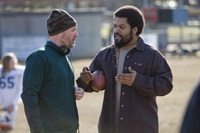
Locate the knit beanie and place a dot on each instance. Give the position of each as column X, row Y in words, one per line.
column 58, row 21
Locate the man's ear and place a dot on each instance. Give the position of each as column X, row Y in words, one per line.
column 134, row 30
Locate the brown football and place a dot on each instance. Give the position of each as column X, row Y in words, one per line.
column 98, row 83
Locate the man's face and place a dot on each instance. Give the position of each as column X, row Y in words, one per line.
column 122, row 32
column 69, row 37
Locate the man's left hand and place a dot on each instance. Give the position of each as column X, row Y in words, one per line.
column 126, row 78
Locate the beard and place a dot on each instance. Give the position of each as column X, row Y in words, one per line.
column 68, row 42
column 122, row 43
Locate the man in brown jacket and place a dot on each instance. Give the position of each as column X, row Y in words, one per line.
column 135, row 73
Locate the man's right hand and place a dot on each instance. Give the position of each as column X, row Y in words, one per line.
column 86, row 75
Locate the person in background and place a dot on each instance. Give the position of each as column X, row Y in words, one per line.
column 49, row 94
column 11, row 75
column 135, row 72
column 191, row 119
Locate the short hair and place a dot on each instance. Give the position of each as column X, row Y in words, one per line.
column 134, row 17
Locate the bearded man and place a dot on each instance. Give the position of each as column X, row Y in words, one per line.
column 135, row 72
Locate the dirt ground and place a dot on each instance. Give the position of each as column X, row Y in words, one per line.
column 171, row 107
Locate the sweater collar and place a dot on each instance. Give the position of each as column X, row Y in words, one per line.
column 61, row 50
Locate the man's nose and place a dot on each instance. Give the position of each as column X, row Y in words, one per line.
column 116, row 30
column 76, row 34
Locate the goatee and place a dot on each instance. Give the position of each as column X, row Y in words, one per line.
column 122, row 43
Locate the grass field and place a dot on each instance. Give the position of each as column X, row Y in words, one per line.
column 171, row 107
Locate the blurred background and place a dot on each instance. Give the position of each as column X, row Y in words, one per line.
column 172, row 26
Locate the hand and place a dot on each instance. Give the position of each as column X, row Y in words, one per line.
column 127, row 78
column 79, row 92
column 86, row 76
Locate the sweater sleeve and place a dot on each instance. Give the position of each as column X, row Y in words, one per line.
column 32, row 82
column 159, row 82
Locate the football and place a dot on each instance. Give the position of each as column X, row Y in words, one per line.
column 98, row 83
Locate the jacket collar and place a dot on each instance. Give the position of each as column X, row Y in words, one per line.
column 140, row 44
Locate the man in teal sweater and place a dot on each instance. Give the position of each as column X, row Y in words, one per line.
column 49, row 94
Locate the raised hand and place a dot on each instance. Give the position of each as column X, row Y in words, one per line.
column 126, row 78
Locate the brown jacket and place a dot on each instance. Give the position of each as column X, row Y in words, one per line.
column 138, row 113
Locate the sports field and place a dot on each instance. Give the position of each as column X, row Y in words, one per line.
column 186, row 73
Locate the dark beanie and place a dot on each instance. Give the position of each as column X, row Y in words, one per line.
column 58, row 21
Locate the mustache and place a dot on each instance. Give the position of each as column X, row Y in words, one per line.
column 116, row 34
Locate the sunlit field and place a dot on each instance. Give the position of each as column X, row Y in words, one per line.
column 186, row 73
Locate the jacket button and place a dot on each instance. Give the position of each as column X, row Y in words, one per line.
column 121, row 118
column 122, row 93
column 122, row 105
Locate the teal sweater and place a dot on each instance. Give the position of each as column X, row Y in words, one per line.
column 48, row 92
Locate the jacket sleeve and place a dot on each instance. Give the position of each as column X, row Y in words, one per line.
column 32, row 82
column 159, row 82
